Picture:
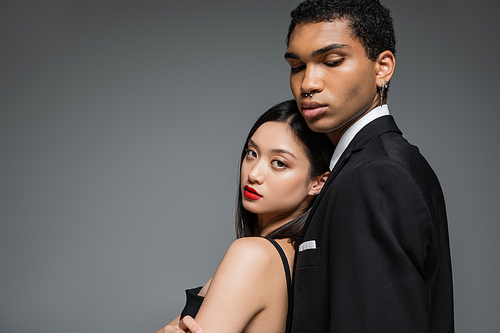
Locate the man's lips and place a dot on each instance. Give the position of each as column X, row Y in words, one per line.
column 251, row 193
column 312, row 109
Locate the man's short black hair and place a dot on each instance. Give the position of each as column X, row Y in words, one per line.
column 369, row 20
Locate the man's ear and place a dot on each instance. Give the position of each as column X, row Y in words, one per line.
column 318, row 183
column 386, row 63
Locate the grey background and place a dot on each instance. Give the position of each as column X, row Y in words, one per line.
column 120, row 129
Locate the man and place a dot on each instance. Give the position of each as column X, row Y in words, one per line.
column 374, row 254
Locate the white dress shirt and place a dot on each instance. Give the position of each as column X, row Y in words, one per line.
column 351, row 132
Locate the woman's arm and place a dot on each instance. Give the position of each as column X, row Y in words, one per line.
column 248, row 279
column 175, row 326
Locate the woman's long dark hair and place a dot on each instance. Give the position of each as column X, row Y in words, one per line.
column 318, row 149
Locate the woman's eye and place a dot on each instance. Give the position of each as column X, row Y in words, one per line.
column 278, row 164
column 251, row 153
column 334, row 63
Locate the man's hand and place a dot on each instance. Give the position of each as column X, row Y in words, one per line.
column 187, row 324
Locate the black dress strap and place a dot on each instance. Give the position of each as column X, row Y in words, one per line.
column 288, row 281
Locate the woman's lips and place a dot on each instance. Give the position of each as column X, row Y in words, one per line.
column 251, row 193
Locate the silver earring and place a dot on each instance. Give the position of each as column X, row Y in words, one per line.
column 383, row 89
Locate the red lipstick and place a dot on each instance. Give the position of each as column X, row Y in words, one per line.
column 251, row 193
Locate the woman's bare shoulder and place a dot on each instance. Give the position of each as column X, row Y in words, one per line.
column 244, row 284
column 253, row 251
column 249, row 260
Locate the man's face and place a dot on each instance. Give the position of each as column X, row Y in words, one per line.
column 327, row 61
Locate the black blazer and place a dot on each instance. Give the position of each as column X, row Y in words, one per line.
column 382, row 259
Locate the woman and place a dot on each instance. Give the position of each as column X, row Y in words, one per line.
column 284, row 165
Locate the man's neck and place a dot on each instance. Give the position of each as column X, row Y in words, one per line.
column 353, row 129
column 337, row 134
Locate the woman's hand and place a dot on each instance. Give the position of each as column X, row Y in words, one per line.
column 187, row 324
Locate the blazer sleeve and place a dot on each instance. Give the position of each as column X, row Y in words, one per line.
column 381, row 228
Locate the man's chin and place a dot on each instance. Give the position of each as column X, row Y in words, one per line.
column 318, row 126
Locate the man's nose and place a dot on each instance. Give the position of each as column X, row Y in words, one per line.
column 311, row 81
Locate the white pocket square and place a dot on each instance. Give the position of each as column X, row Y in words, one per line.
column 309, row 245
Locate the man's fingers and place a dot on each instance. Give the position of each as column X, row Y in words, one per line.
column 188, row 323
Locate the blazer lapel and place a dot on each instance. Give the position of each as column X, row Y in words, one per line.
column 368, row 133
column 336, row 169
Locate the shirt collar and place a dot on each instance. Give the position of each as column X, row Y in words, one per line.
column 351, row 132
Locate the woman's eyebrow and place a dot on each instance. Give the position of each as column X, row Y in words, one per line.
column 275, row 150
column 283, row 151
column 251, row 142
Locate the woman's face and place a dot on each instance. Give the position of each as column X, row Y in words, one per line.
column 275, row 181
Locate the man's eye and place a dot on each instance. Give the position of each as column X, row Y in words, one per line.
column 334, row 63
column 297, row 68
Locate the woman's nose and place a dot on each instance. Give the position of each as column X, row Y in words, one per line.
column 256, row 174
